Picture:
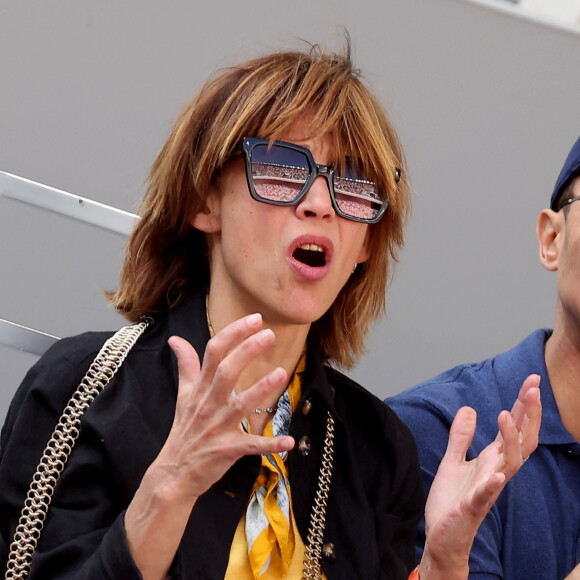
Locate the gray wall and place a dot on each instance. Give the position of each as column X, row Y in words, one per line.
column 486, row 106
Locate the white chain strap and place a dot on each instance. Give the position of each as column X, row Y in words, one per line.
column 60, row 445
column 315, row 536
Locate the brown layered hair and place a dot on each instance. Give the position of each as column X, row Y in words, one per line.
column 166, row 257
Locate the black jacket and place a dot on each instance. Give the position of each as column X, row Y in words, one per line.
column 375, row 500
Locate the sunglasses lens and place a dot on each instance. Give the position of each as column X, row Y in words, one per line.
column 278, row 173
column 357, row 198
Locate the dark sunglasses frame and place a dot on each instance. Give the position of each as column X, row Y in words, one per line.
column 248, row 144
column 566, row 202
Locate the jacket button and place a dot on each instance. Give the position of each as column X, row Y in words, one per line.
column 328, row 552
column 307, row 406
column 304, row 446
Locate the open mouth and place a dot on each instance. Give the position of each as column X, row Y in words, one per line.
column 312, row 255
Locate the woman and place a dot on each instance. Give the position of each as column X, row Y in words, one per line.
column 272, row 214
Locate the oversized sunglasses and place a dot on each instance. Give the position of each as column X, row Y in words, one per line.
column 281, row 173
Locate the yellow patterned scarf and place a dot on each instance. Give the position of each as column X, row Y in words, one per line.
column 269, row 530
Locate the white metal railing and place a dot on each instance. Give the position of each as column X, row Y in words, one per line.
column 24, row 338
column 67, row 204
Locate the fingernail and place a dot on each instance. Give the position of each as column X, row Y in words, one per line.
column 265, row 336
column 277, row 375
column 254, row 319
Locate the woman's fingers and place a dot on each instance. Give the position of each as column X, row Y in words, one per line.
column 228, row 339
column 205, row 403
column 520, row 405
column 516, row 440
column 207, row 391
column 206, row 437
column 485, row 496
column 463, row 492
column 461, row 434
column 246, row 401
column 187, row 359
column 520, row 442
column 227, row 355
column 512, row 455
column 225, row 375
column 530, row 430
column 260, row 445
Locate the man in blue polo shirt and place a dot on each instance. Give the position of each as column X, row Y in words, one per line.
column 533, row 531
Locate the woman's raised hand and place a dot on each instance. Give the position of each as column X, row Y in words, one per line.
column 205, row 440
column 464, row 491
column 206, row 437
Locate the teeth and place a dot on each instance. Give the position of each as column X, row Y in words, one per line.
column 312, row 247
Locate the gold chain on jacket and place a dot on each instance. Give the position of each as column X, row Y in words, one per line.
column 315, row 536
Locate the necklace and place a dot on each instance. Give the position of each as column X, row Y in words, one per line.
column 209, row 326
column 257, row 410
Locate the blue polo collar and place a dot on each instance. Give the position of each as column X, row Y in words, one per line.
column 513, row 366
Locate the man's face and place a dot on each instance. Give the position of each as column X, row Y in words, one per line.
column 568, row 259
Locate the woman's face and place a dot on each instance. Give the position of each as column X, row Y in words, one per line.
column 287, row 262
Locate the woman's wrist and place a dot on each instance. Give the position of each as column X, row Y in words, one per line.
column 444, row 568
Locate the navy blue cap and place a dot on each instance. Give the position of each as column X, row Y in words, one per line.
column 571, row 169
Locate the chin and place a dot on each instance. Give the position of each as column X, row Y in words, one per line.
column 303, row 315
column 299, row 308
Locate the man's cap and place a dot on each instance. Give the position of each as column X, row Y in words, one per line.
column 571, row 169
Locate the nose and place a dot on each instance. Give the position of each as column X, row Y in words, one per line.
column 317, row 203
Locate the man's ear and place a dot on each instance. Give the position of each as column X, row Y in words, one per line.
column 550, row 234
column 209, row 219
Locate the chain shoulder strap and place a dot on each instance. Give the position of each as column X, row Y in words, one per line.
column 60, row 445
column 315, row 536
